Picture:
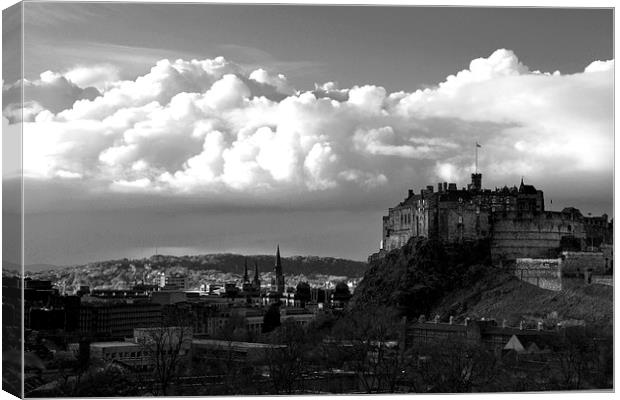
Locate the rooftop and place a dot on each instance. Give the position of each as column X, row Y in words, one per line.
column 227, row 343
column 105, row 345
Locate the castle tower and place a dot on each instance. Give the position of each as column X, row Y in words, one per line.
column 476, row 182
column 277, row 283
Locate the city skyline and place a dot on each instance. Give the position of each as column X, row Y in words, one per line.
column 232, row 137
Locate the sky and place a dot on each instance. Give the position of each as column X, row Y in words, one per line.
column 195, row 128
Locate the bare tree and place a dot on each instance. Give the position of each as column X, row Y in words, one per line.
column 367, row 342
column 287, row 358
column 577, row 361
column 166, row 348
column 453, row 366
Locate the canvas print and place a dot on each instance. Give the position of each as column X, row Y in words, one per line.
column 253, row 199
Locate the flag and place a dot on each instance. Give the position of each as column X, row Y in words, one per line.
column 478, row 145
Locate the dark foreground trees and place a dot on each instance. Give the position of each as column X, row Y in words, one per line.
column 288, row 358
column 166, row 349
column 450, row 366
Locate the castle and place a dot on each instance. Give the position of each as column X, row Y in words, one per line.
column 513, row 219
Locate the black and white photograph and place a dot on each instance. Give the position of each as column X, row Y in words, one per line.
column 225, row 199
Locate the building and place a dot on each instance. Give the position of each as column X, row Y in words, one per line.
column 169, row 281
column 570, row 268
column 251, row 288
column 126, row 353
column 514, row 220
column 140, row 351
column 482, row 332
column 248, row 353
column 117, row 319
column 164, row 297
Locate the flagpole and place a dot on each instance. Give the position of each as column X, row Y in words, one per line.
column 476, row 150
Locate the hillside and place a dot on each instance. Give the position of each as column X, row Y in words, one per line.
column 502, row 296
column 207, row 268
column 423, row 277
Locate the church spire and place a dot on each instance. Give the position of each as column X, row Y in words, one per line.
column 246, row 277
column 256, row 280
column 277, row 282
column 256, row 277
column 278, row 267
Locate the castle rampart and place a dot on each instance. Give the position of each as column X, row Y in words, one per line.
column 545, row 273
column 533, row 235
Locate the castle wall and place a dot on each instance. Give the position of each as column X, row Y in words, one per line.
column 532, row 235
column 575, row 263
column 544, row 273
column 403, row 223
column 399, row 228
column 603, row 280
column 458, row 222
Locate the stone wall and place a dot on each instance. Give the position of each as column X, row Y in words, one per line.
column 544, row 273
column 603, row 280
column 462, row 222
column 531, row 235
column 576, row 263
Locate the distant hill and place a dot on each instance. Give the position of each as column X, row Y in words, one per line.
column 200, row 269
column 423, row 277
column 39, row 267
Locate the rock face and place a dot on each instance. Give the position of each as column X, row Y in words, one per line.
column 414, row 277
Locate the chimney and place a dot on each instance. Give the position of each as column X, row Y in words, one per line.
column 451, row 320
column 422, row 318
column 521, row 325
column 436, row 320
column 451, row 186
column 439, row 187
column 445, row 186
column 430, row 188
column 504, row 324
column 540, row 326
column 410, row 192
column 466, row 321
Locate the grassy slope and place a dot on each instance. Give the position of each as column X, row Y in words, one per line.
column 501, row 296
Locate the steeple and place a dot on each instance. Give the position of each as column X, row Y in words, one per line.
column 256, row 280
column 277, row 283
column 246, row 277
column 278, row 267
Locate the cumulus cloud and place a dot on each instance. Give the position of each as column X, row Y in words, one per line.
column 52, row 91
column 279, row 81
column 101, row 77
column 209, row 126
